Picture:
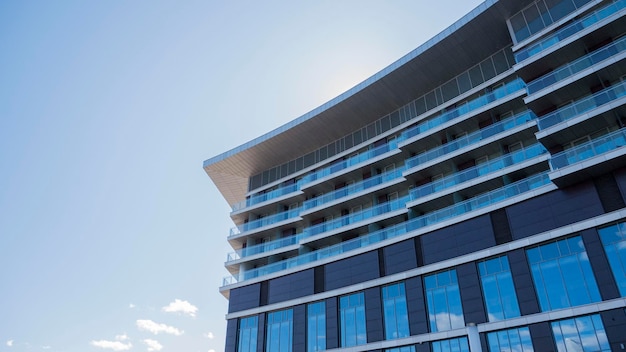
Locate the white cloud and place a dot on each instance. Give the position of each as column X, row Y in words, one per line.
column 157, row 328
column 10, row 343
column 209, row 335
column 113, row 345
column 122, row 337
column 131, row 306
column 153, row 345
column 179, row 306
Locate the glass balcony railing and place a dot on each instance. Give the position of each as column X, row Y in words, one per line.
column 261, row 248
column 574, row 67
column 452, row 211
column 357, row 159
column 320, row 228
column 478, row 171
column 598, row 146
column 352, row 189
column 475, row 104
column 570, row 30
column 471, row 138
column 260, row 198
column 581, row 106
column 258, row 223
column 496, row 94
column 355, row 217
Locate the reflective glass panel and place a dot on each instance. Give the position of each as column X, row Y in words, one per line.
column 512, row 340
column 247, row 334
column 395, row 312
column 562, row 274
column 452, row 345
column 580, row 334
column 444, row 301
column 614, row 241
column 401, row 349
column 352, row 318
column 280, row 331
column 316, row 327
column 498, row 289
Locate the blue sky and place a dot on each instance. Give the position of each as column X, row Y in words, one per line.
column 112, row 237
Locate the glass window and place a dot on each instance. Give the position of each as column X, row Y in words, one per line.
column 498, row 289
column 247, row 334
column 395, row 312
column 562, row 274
column 316, row 327
column 452, row 345
column 401, row 349
column 352, row 318
column 280, row 331
column 614, row 241
column 444, row 301
column 512, row 340
column 580, row 334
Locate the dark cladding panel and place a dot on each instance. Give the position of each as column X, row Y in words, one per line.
column 523, row 281
column 557, row 208
column 299, row 328
column 400, row 257
column 373, row 315
column 246, row 297
column 291, row 286
column 471, row 294
column 349, row 271
column 620, row 178
column 260, row 336
column 418, row 318
column 231, row 336
column 332, row 323
column 614, row 322
column 600, row 264
column 541, row 335
column 459, row 239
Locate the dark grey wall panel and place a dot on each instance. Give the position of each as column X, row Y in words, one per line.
column 554, row 209
column 349, row 271
column 291, row 286
column 332, row 323
column 620, row 178
column 523, row 281
column 541, row 334
column 459, row 239
column 244, row 298
column 422, row 347
column 299, row 328
column 600, row 264
column 260, row 337
column 400, row 257
column 471, row 294
column 231, row 336
column 416, row 306
column 609, row 192
column 615, row 327
column 501, row 228
column 374, row 315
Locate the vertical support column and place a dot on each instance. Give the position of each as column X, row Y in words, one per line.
column 373, row 315
column 332, row 323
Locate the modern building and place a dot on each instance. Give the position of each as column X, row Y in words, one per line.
column 470, row 196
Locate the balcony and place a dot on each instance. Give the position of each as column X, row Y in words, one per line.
column 506, row 91
column 430, row 191
column 263, row 222
column 598, row 59
column 578, row 118
column 352, row 190
column 593, row 158
column 599, row 18
column 264, row 197
column 479, row 202
column 424, row 159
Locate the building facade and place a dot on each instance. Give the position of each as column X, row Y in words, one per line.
column 470, row 196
